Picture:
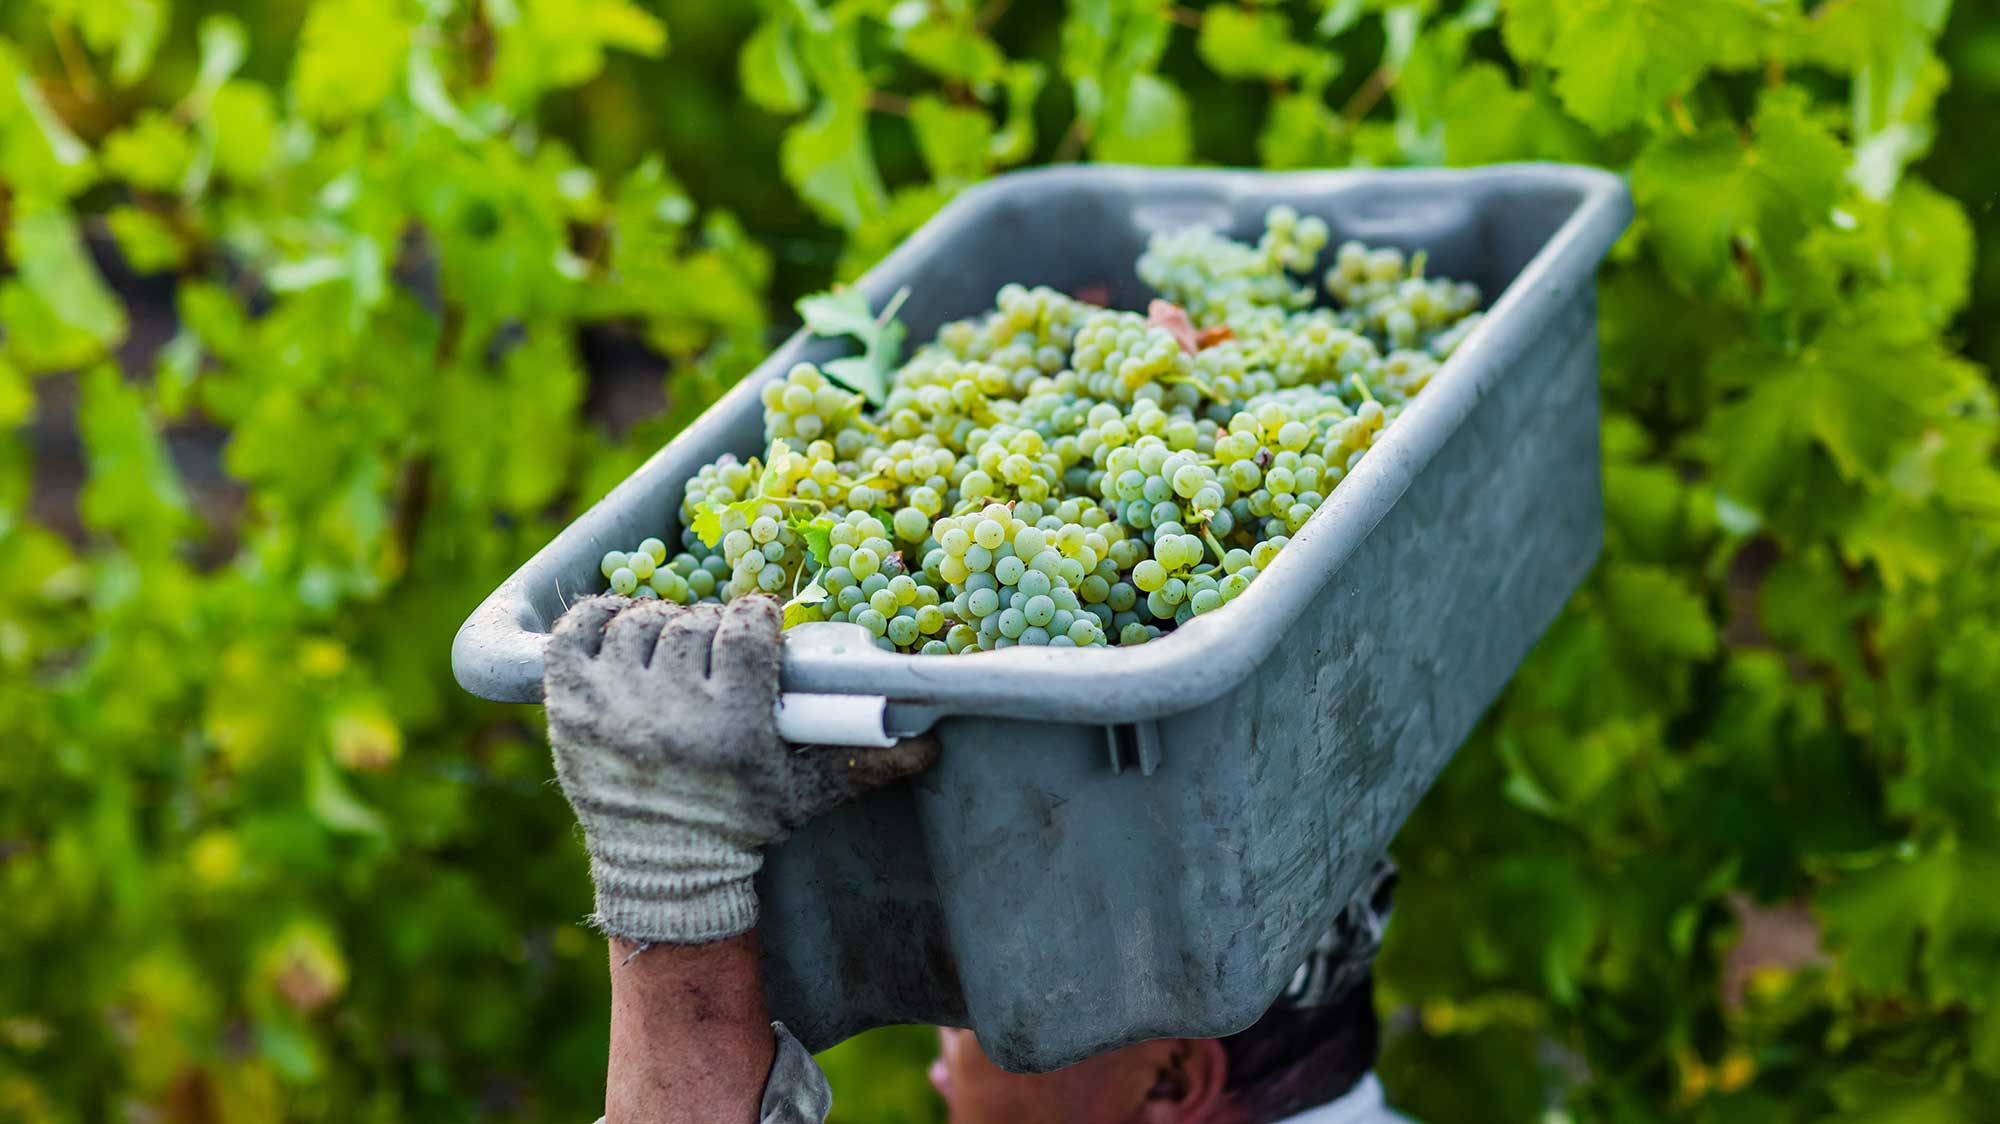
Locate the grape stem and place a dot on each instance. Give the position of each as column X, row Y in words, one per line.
column 1208, row 536
column 1204, row 388
column 890, row 309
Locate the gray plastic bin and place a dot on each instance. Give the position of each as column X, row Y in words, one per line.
column 1121, row 844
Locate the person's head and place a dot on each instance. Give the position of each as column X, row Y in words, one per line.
column 1309, row 1048
column 1289, row 1061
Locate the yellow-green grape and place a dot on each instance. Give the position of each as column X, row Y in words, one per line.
column 671, row 585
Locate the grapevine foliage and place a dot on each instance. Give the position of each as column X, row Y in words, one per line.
column 316, row 320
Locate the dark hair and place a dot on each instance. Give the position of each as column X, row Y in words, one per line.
column 1294, row 1058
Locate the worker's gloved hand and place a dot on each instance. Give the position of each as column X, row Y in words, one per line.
column 666, row 743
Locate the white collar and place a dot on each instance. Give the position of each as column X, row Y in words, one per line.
column 1362, row 1104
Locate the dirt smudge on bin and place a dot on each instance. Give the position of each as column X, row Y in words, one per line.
column 1045, row 807
column 905, row 983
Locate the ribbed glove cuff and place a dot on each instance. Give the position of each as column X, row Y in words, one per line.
column 671, row 883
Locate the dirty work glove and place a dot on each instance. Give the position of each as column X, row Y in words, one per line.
column 663, row 722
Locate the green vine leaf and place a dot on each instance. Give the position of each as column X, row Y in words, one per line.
column 769, row 64
column 806, row 605
column 393, row 236
column 845, row 313
column 1618, row 61
column 1711, row 198
column 58, row 311
column 818, row 534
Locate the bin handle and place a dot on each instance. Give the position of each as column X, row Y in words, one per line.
column 812, row 719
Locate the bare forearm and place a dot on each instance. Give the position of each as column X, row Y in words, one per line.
column 690, row 1034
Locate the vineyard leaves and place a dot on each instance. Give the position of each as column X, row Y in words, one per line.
column 318, row 880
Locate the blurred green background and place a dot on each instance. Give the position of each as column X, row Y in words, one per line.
column 318, row 317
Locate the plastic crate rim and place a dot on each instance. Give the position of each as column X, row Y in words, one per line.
column 497, row 653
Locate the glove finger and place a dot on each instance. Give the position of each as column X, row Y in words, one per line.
column 631, row 635
column 682, row 650
column 579, row 633
column 825, row 777
column 747, row 652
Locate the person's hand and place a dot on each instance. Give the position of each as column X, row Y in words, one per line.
column 663, row 722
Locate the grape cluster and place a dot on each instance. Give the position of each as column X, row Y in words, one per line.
column 1389, row 296
column 645, row 573
column 1221, row 281
column 1058, row 474
column 804, row 405
column 1011, row 581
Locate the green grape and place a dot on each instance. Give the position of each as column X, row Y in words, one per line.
column 911, row 525
column 671, row 586
column 1149, row 575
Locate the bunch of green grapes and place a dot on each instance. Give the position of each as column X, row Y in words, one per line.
column 1221, row 281
column 868, row 583
column 1404, row 373
column 1119, row 357
column 1054, row 473
column 1391, row 298
column 1011, row 581
column 1313, row 347
column 946, row 397
column 1232, row 371
column 804, row 405
column 1029, row 329
column 646, row 573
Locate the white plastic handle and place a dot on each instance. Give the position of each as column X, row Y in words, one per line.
column 810, row 719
